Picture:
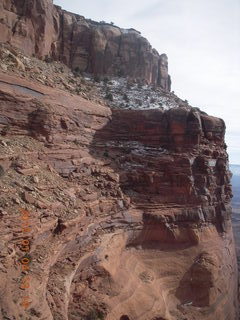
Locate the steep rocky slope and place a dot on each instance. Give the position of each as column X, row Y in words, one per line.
column 121, row 214
column 129, row 209
column 48, row 32
column 115, row 92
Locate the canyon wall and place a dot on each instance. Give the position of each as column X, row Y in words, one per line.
column 130, row 210
column 39, row 28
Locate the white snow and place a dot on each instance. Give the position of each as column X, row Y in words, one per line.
column 123, row 95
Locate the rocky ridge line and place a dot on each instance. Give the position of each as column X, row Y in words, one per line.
column 42, row 29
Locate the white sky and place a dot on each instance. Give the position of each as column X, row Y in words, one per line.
column 202, row 41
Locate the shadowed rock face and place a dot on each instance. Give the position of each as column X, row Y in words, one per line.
column 141, row 227
column 39, row 28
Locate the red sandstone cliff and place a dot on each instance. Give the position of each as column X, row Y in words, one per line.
column 39, row 28
column 129, row 210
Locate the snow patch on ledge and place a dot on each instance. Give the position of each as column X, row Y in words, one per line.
column 125, row 94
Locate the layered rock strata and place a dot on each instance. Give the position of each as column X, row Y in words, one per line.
column 129, row 210
column 39, row 28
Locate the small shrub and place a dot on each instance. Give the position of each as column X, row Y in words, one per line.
column 196, row 109
column 5, row 130
column 71, row 80
column 139, row 102
column 106, row 80
column 78, row 91
column 97, row 78
column 35, row 313
column 120, row 73
column 2, row 172
column 48, row 59
column 125, row 97
column 95, row 315
column 129, row 85
column 77, row 142
column 109, row 96
column 77, row 70
column 105, row 154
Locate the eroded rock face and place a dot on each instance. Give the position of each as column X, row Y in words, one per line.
column 129, row 209
column 39, row 28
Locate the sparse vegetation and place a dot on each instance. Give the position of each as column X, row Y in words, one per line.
column 120, row 73
column 97, row 78
column 95, row 315
column 129, row 85
column 2, row 171
column 78, row 91
column 5, row 130
column 125, row 97
column 197, row 109
column 77, row 142
column 109, row 96
column 48, row 59
column 105, row 154
column 139, row 102
column 77, row 70
column 117, row 91
column 106, row 80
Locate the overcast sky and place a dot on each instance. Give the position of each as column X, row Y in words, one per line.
column 202, row 41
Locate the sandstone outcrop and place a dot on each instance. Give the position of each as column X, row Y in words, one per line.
column 121, row 214
column 130, row 214
column 39, row 28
